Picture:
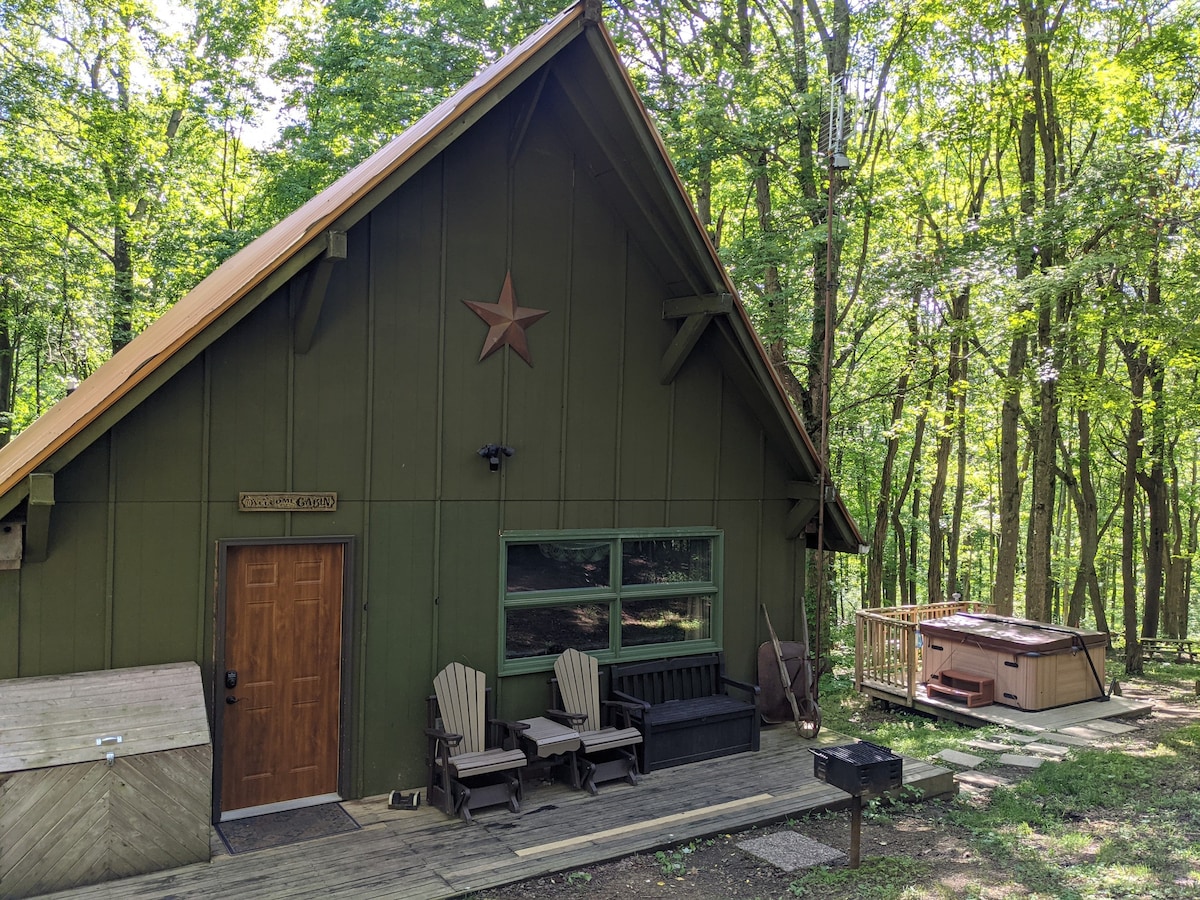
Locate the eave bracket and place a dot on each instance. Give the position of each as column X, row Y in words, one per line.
column 807, row 496
column 315, row 289
column 37, row 518
column 696, row 313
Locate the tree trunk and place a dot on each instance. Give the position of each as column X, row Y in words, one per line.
column 1154, row 485
column 1048, row 251
column 884, row 513
column 1174, row 603
column 1136, row 363
column 6, row 367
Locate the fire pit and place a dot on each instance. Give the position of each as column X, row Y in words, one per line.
column 861, row 770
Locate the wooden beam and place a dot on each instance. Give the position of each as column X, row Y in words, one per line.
column 681, row 346
column 37, row 518
column 708, row 304
column 799, row 517
column 802, row 490
column 315, row 289
column 518, row 138
column 621, row 170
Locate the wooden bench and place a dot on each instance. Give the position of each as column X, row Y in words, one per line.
column 974, row 690
column 1178, row 649
column 683, row 711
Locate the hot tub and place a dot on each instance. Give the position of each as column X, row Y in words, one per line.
column 1034, row 665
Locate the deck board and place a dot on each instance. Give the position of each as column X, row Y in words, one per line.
column 423, row 854
column 1088, row 711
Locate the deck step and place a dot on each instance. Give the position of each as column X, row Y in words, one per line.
column 974, row 690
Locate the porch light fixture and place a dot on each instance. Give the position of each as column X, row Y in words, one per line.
column 493, row 453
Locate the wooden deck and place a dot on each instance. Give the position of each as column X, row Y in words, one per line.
column 1023, row 720
column 425, row 854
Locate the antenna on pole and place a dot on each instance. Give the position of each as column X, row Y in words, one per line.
column 834, row 147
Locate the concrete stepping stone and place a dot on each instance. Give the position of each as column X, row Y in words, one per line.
column 958, row 758
column 790, row 850
column 981, row 782
column 1052, row 750
column 1095, row 735
column 1112, row 727
column 992, row 746
column 1069, row 740
column 1017, row 738
column 1020, row 759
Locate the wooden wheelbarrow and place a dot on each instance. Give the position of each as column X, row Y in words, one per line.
column 785, row 680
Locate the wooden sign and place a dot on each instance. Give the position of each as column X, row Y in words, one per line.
column 287, row 501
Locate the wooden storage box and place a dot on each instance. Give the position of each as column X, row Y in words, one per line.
column 69, row 816
column 1033, row 665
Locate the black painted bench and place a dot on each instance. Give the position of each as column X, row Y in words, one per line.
column 683, row 710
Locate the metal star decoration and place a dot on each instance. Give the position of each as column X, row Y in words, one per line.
column 507, row 322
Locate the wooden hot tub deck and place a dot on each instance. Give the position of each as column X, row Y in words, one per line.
column 887, row 667
column 424, row 854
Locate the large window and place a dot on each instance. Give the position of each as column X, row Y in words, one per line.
column 627, row 594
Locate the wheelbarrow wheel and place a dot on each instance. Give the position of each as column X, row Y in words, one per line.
column 809, row 724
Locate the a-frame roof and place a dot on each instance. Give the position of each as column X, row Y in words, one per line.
column 621, row 130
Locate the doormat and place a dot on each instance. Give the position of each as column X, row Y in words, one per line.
column 288, row 827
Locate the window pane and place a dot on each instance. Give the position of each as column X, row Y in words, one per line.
column 549, row 630
column 558, row 565
column 664, row 620
column 666, row 561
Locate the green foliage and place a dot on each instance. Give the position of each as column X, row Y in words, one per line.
column 675, row 861
column 970, row 276
column 124, row 173
column 877, row 878
column 1067, row 811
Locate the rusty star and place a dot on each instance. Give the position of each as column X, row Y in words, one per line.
column 507, row 322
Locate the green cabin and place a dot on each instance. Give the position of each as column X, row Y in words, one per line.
column 488, row 396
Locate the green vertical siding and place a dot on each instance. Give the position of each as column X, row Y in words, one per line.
column 407, row 312
column 475, row 257
column 154, row 596
column 10, row 623
column 592, row 415
column 65, row 614
column 646, row 405
column 695, row 443
column 249, row 370
column 329, row 384
column 388, row 408
column 399, row 618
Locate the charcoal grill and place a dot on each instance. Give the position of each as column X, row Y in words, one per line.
column 861, row 770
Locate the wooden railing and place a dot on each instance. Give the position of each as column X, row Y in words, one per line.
column 885, row 645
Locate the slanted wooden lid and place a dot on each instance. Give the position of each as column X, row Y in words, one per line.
column 57, row 720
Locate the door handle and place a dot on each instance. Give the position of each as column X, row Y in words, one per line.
column 231, row 700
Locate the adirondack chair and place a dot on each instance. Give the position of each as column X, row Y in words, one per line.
column 605, row 750
column 465, row 771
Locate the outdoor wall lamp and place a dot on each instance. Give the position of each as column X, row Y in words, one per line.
column 493, row 452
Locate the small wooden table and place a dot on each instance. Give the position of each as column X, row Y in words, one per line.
column 548, row 744
column 1165, row 648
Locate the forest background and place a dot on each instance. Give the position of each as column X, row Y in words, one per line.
column 966, row 231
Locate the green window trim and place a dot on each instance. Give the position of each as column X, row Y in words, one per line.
column 621, row 594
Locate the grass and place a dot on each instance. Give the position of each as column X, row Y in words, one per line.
column 1102, row 823
column 877, row 878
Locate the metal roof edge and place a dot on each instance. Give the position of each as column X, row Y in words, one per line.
column 236, row 278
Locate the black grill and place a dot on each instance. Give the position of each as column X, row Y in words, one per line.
column 859, row 769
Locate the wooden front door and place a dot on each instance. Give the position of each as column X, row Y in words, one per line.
column 283, row 639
